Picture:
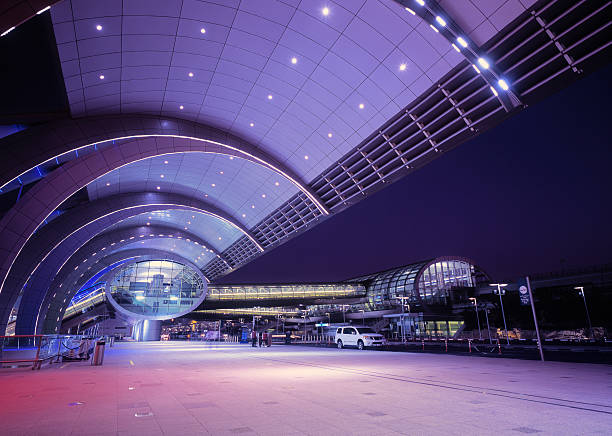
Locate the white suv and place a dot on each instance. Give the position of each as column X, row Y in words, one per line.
column 359, row 337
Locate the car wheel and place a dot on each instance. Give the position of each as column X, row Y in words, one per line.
column 360, row 344
column 339, row 344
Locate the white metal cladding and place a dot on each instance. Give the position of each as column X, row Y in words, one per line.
column 248, row 190
column 145, row 50
column 218, row 233
column 552, row 44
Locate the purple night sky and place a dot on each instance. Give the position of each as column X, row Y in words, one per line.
column 531, row 195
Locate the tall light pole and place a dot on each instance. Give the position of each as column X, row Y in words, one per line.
column 500, row 293
column 402, row 298
column 486, row 311
column 344, row 306
column 580, row 290
column 304, row 338
column 362, row 316
column 475, row 302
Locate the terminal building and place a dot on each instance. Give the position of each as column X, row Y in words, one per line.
column 188, row 141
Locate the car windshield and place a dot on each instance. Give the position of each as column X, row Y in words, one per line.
column 365, row 330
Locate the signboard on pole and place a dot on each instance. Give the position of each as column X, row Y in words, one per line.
column 524, row 293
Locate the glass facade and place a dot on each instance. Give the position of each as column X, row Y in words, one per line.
column 157, row 288
column 440, row 277
column 432, row 281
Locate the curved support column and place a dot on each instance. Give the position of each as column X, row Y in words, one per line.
column 48, row 280
column 59, row 138
column 77, row 226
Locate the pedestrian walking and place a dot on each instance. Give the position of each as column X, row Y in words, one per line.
column 260, row 338
column 264, row 339
column 254, row 338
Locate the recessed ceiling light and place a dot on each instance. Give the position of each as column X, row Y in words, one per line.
column 148, row 224
column 244, row 215
column 483, row 63
column 219, row 238
column 361, row 105
column 306, row 157
column 202, row 30
column 165, row 161
column 101, row 76
column 455, row 47
column 441, row 21
column 221, row 172
column 263, row 195
column 231, row 157
column 329, row 135
column 294, row 60
column 434, row 28
column 189, row 222
column 107, row 184
column 181, row 107
column 161, row 175
column 402, row 67
column 411, row 11
column 252, row 124
column 276, row 183
column 462, row 41
column 213, row 185
column 252, row 206
column 325, row 11
column 98, row 27
column 159, row 187
column 269, row 96
column 190, row 74
column 421, row 2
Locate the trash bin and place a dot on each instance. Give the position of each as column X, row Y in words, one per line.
column 98, row 356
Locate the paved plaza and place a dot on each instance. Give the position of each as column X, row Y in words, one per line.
column 180, row 388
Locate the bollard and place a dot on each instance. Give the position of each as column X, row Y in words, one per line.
column 423, row 343
column 98, row 356
column 446, row 345
column 498, row 347
column 470, row 345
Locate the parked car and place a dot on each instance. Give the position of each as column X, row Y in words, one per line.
column 360, row 337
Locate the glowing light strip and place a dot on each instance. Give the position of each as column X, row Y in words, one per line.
column 261, row 161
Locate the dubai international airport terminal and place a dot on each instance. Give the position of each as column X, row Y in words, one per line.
column 286, row 217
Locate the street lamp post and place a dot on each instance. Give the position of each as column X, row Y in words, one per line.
column 362, row 316
column 486, row 311
column 475, row 302
column 304, row 338
column 344, row 306
column 402, row 298
column 499, row 292
column 580, row 290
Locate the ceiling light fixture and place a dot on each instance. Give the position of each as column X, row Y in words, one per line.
column 294, row 60
column 181, row 107
column 503, row 84
column 325, row 11
column 276, row 183
column 252, row 124
column 420, row 2
column 462, row 42
column 306, row 157
column 329, row 135
column 166, row 162
column 202, row 30
column 402, row 67
column 434, row 28
column 98, row 27
column 269, row 96
column 158, row 188
column 411, row 11
column 494, row 91
column 190, row 74
column 483, row 63
column 101, row 76
column 263, row 195
column 161, row 175
column 440, row 21
column 107, row 184
column 43, row 10
column 361, row 105
column 455, row 47
column 213, row 185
